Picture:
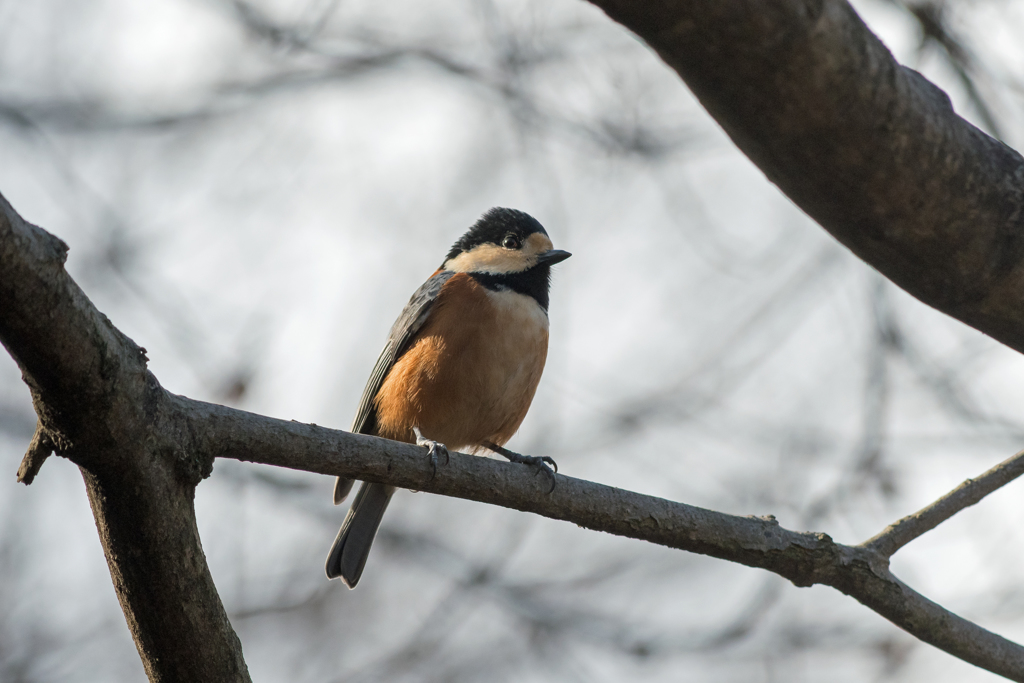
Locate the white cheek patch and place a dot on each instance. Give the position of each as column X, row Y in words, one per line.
column 490, row 258
column 537, row 243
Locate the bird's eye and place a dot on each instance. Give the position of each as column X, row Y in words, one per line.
column 511, row 242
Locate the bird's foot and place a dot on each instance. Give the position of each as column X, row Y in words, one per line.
column 540, row 463
column 433, row 448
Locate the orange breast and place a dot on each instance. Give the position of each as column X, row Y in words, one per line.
column 471, row 372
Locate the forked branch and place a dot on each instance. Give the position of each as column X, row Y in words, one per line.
column 803, row 558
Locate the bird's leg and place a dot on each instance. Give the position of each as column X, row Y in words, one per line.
column 433, row 448
column 539, row 463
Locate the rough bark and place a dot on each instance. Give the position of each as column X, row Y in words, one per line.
column 99, row 407
column 806, row 559
column 868, row 148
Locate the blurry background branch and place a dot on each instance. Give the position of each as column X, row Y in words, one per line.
column 142, row 451
column 228, row 199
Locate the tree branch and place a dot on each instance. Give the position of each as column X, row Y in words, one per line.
column 102, row 409
column 902, row 532
column 870, row 149
column 803, row 558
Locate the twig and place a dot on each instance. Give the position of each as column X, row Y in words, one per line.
column 39, row 449
column 900, row 533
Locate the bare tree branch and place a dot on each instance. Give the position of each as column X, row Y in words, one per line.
column 870, row 149
column 803, row 558
column 100, row 408
column 902, row 532
column 933, row 20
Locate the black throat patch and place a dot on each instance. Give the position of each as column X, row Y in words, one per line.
column 534, row 282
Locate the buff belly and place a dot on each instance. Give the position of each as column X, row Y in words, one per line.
column 470, row 375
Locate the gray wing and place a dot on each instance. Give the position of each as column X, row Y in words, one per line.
column 405, row 328
column 411, row 320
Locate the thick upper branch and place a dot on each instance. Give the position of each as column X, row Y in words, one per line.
column 868, row 148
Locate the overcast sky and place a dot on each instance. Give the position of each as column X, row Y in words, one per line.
column 253, row 191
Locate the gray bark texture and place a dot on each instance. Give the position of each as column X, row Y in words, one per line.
column 868, row 148
column 102, row 409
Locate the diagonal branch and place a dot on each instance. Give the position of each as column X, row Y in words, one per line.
column 902, row 532
column 870, row 149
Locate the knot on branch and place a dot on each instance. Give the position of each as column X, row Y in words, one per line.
column 819, row 561
column 932, row 93
column 58, row 246
column 191, row 465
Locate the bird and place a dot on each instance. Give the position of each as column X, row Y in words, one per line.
column 460, row 366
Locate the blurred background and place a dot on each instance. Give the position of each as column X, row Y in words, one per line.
column 252, row 190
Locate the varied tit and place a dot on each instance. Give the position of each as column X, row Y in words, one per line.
column 460, row 365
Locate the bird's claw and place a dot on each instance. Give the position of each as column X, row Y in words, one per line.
column 433, row 448
column 541, row 463
column 544, row 464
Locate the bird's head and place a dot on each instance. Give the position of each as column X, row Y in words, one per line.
column 504, row 242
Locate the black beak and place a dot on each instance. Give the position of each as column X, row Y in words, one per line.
column 550, row 258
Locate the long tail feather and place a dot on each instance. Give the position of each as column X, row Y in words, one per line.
column 342, row 487
column 352, row 546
